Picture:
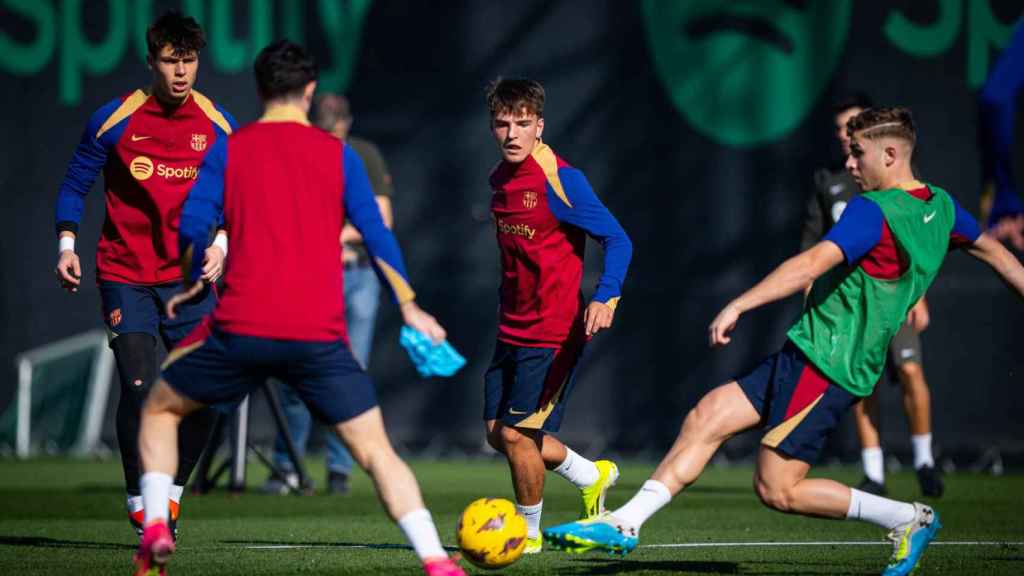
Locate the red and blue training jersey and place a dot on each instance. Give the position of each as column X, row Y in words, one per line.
column 543, row 209
column 150, row 158
column 866, row 240
column 285, row 188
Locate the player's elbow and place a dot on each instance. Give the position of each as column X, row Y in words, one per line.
column 627, row 245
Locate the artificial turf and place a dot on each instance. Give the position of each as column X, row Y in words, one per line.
column 66, row 517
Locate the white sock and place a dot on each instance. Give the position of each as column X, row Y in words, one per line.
column 176, row 493
column 877, row 510
column 577, row 469
column 134, row 504
column 532, row 515
column 422, row 534
column 874, row 464
column 653, row 496
column 922, row 450
column 156, row 488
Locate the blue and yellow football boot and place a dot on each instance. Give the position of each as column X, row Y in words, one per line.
column 604, row 533
column 911, row 539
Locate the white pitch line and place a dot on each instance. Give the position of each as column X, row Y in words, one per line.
column 293, row 546
column 851, row 543
column 692, row 544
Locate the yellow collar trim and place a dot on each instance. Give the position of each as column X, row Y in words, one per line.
column 285, row 113
column 911, row 185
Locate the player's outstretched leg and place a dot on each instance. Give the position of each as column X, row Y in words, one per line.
column 721, row 413
column 781, row 483
column 158, row 449
column 397, row 488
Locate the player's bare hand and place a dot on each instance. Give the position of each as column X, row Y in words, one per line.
column 597, row 317
column 416, row 318
column 919, row 317
column 213, row 264
column 722, row 325
column 1010, row 229
column 182, row 297
column 69, row 270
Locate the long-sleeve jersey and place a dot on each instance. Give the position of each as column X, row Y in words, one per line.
column 543, row 208
column 285, row 188
column 998, row 105
column 150, row 159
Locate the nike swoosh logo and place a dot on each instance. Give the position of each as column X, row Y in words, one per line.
column 516, row 412
column 137, row 138
column 928, row 217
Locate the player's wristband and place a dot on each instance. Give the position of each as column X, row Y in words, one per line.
column 221, row 241
column 65, row 243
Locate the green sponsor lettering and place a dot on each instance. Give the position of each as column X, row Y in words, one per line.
column 230, row 54
column 343, row 27
column 745, row 73
column 292, row 20
column 984, row 33
column 78, row 55
column 925, row 39
column 143, row 18
column 194, row 8
column 28, row 59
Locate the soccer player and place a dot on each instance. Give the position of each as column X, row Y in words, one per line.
column 149, row 145
column 543, row 209
column 362, row 298
column 833, row 191
column 892, row 240
column 285, row 188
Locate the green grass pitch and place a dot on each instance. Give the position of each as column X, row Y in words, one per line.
column 65, row 517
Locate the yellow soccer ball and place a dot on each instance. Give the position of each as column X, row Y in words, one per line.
column 491, row 533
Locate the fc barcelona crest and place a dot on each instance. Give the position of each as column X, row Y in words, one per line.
column 529, row 199
column 199, row 142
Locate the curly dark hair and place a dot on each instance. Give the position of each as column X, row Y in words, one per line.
column 515, row 95
column 883, row 122
column 182, row 32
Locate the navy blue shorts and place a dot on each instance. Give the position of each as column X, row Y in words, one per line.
column 219, row 369
column 529, row 387
column 798, row 405
column 132, row 308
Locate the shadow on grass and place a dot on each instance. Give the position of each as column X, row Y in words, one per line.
column 804, row 567
column 40, row 542
column 612, row 566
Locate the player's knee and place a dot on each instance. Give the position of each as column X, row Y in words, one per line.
column 911, row 373
column 699, row 421
column 774, row 495
column 494, row 438
column 512, row 436
column 136, row 364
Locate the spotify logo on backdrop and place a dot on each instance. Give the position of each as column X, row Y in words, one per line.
column 743, row 73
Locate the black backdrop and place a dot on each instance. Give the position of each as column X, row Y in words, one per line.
column 709, row 212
